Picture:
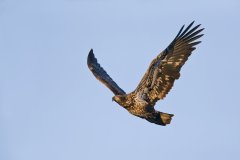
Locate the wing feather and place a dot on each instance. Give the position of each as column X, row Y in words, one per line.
column 165, row 68
column 102, row 75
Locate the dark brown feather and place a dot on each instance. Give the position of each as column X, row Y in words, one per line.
column 165, row 68
column 102, row 75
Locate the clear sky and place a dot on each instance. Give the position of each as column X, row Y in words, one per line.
column 52, row 108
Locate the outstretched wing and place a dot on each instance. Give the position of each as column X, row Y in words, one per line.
column 102, row 75
column 165, row 68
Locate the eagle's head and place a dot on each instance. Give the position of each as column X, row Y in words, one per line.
column 121, row 100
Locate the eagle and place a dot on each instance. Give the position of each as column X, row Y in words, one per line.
column 157, row 81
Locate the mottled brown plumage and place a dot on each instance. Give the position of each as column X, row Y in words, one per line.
column 157, row 81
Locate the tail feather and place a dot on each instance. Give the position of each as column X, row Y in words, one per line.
column 160, row 118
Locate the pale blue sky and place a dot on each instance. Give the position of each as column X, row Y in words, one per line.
column 52, row 108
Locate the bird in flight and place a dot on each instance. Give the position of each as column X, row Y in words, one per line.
column 157, row 81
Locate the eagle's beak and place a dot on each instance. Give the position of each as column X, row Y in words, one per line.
column 113, row 99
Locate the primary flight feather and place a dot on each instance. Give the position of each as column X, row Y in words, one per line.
column 157, row 81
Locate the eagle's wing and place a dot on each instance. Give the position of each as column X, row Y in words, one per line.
column 102, row 75
column 165, row 68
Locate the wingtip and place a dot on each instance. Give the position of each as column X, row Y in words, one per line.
column 91, row 51
column 90, row 58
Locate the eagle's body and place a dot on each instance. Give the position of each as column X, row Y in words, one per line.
column 157, row 81
column 137, row 104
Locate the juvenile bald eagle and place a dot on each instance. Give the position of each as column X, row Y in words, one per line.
column 157, row 81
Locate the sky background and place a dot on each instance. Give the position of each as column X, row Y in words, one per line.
column 53, row 108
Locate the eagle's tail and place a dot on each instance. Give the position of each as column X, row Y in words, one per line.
column 160, row 118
